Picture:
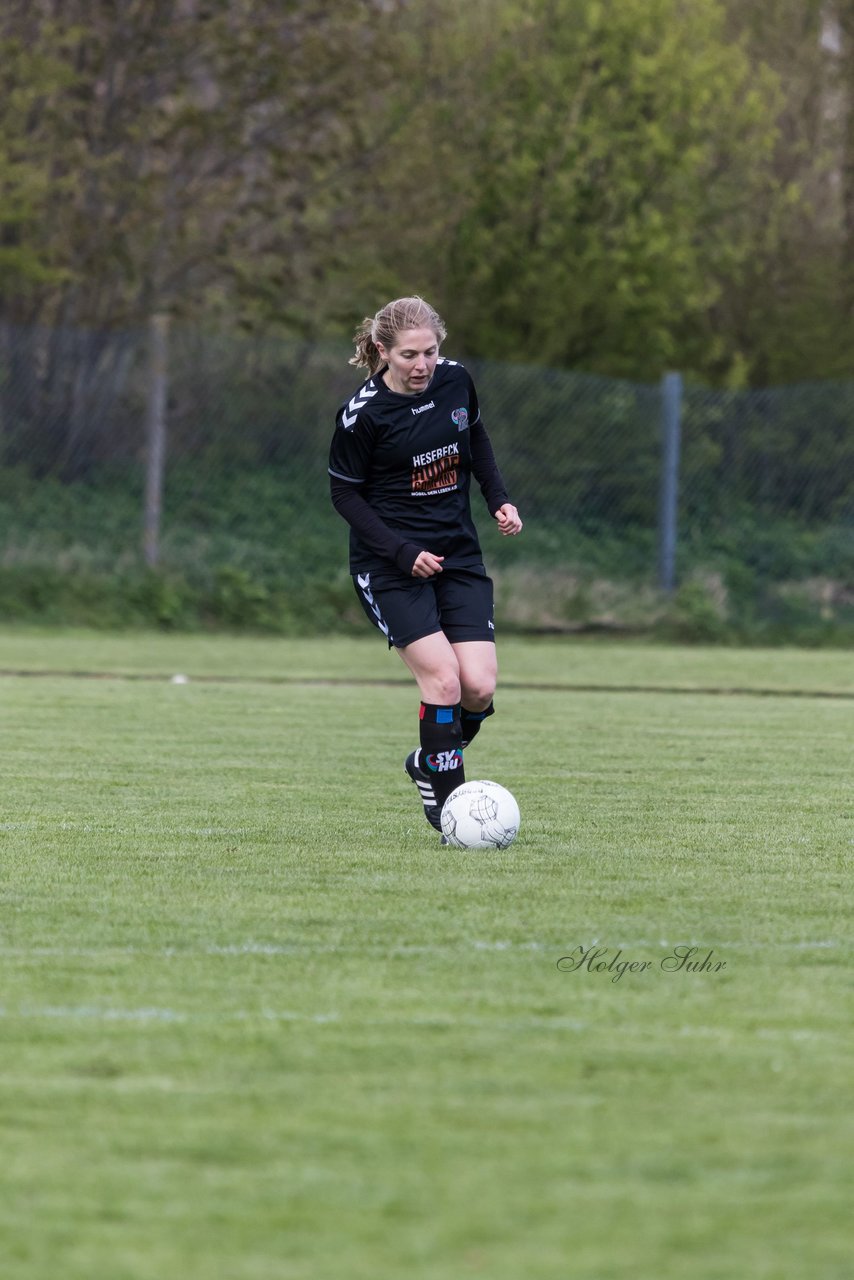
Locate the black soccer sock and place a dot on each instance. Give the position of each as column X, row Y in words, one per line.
column 470, row 722
column 441, row 748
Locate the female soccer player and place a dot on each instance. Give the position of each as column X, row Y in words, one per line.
column 404, row 450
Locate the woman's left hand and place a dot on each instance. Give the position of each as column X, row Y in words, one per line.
column 508, row 519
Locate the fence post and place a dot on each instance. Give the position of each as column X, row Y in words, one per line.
column 155, row 433
column 668, row 499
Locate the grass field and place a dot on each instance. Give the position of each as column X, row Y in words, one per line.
column 257, row 1024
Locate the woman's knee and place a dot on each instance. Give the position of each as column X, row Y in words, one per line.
column 436, row 669
column 441, row 687
column 477, row 691
column 478, row 675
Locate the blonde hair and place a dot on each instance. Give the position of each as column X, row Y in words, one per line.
column 392, row 319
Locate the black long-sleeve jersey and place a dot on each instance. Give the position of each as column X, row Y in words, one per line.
column 401, row 468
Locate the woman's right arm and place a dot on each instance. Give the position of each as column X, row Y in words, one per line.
column 368, row 527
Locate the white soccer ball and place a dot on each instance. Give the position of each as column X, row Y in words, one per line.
column 480, row 815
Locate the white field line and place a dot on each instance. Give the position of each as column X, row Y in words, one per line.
column 533, row 685
column 654, row 948
column 81, row 1012
column 151, row 1016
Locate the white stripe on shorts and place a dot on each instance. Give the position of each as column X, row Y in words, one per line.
column 364, row 581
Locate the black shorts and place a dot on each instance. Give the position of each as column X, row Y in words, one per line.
column 458, row 602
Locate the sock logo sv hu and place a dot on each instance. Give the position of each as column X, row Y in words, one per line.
column 444, row 761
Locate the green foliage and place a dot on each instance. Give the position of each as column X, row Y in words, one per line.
column 264, row 551
column 621, row 186
column 606, row 226
column 695, row 615
column 163, row 154
column 32, row 80
column 786, row 449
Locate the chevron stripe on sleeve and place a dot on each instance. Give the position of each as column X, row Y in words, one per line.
column 363, row 396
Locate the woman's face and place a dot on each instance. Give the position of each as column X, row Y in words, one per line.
column 411, row 361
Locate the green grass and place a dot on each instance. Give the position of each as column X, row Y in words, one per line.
column 255, row 1022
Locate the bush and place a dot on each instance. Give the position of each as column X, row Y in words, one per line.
column 697, row 614
column 265, row 551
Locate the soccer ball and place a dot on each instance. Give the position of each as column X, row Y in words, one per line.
column 480, row 815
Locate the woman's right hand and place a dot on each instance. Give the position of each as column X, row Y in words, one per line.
column 426, row 565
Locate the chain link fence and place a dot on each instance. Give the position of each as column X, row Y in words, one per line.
column 753, row 537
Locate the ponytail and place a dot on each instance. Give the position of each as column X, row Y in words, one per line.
column 367, row 356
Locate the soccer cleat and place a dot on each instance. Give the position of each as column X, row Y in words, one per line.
column 422, row 780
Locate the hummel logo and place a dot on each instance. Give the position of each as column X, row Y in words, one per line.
column 360, row 399
column 424, row 407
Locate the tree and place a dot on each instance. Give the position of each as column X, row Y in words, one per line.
column 171, row 155
column 788, row 310
column 32, row 82
column 840, row 25
column 623, row 181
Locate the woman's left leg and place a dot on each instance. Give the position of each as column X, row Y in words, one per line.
column 478, row 665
